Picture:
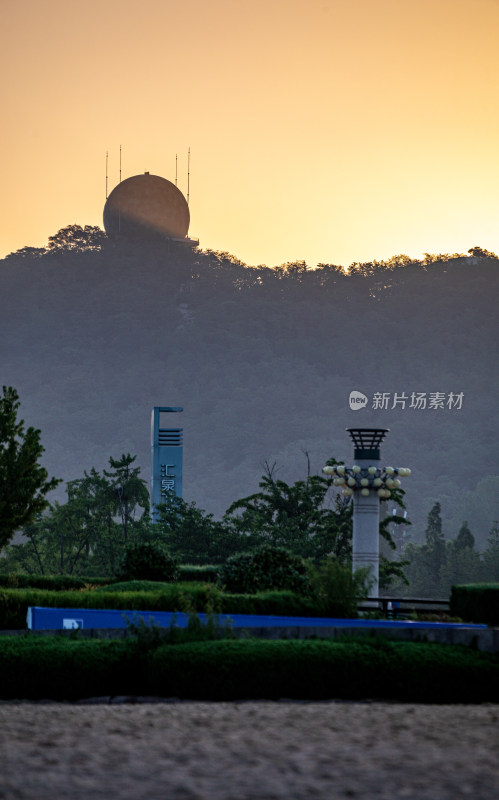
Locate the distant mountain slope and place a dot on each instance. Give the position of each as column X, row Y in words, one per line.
column 262, row 361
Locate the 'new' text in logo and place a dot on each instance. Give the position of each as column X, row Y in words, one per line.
column 357, row 400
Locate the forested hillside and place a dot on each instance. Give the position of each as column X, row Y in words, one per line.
column 263, row 361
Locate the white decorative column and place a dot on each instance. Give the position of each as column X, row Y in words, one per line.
column 365, row 541
column 367, row 483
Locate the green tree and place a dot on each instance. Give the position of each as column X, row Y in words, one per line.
column 147, row 561
column 336, row 590
column 266, row 567
column 465, row 538
column 304, row 519
column 37, row 554
column 392, row 570
column 493, row 539
column 127, row 491
column 436, row 566
column 24, row 483
column 89, row 537
column 435, row 548
column 296, row 517
column 490, row 569
column 75, row 537
column 30, row 253
column 88, row 533
column 480, row 252
column 424, row 571
column 75, row 239
column 192, row 535
column 462, row 565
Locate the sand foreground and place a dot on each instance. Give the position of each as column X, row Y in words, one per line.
column 242, row 750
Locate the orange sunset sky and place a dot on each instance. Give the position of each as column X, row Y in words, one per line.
column 325, row 130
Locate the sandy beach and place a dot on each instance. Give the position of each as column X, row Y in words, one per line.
column 242, row 750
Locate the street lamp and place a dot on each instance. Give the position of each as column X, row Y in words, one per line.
column 368, row 484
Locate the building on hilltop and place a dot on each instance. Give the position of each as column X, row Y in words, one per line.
column 146, row 207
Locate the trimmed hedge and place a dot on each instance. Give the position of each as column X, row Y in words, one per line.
column 206, row 573
column 406, row 671
column 283, row 604
column 33, row 667
column 476, row 602
column 62, row 668
column 50, row 582
column 187, row 572
column 134, row 586
column 14, row 602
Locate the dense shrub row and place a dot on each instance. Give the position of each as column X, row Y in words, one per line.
column 64, row 669
column 14, row 603
column 50, row 667
column 52, row 582
column 226, row 670
column 185, row 572
column 266, row 568
column 207, row 573
column 476, row 602
column 134, row 586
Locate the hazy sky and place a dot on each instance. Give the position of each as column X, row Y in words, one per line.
column 326, row 130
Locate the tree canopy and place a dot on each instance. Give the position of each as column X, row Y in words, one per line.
column 263, row 361
column 296, row 516
column 24, row 483
column 76, row 239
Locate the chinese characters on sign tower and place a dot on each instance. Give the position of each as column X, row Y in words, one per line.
column 166, row 458
column 167, row 480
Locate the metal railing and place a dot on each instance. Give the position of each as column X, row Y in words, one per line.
column 398, row 607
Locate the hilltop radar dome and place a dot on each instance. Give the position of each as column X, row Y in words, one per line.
column 145, row 206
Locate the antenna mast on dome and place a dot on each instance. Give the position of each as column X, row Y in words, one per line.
column 107, row 156
column 188, row 173
column 120, row 163
column 176, row 169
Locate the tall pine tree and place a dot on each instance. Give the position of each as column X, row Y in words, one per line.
column 434, row 550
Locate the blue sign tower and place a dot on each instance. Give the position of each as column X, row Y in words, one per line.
column 166, row 458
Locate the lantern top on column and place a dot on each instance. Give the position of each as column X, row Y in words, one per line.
column 367, row 441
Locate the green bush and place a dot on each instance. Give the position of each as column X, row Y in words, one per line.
column 169, row 597
column 406, row 671
column 57, row 668
column 476, row 602
column 147, row 561
column 267, row 567
column 284, row 604
column 206, row 573
column 336, row 591
column 14, row 603
column 66, row 668
column 134, row 586
column 16, row 580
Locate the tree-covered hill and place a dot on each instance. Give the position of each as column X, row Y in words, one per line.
column 94, row 334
